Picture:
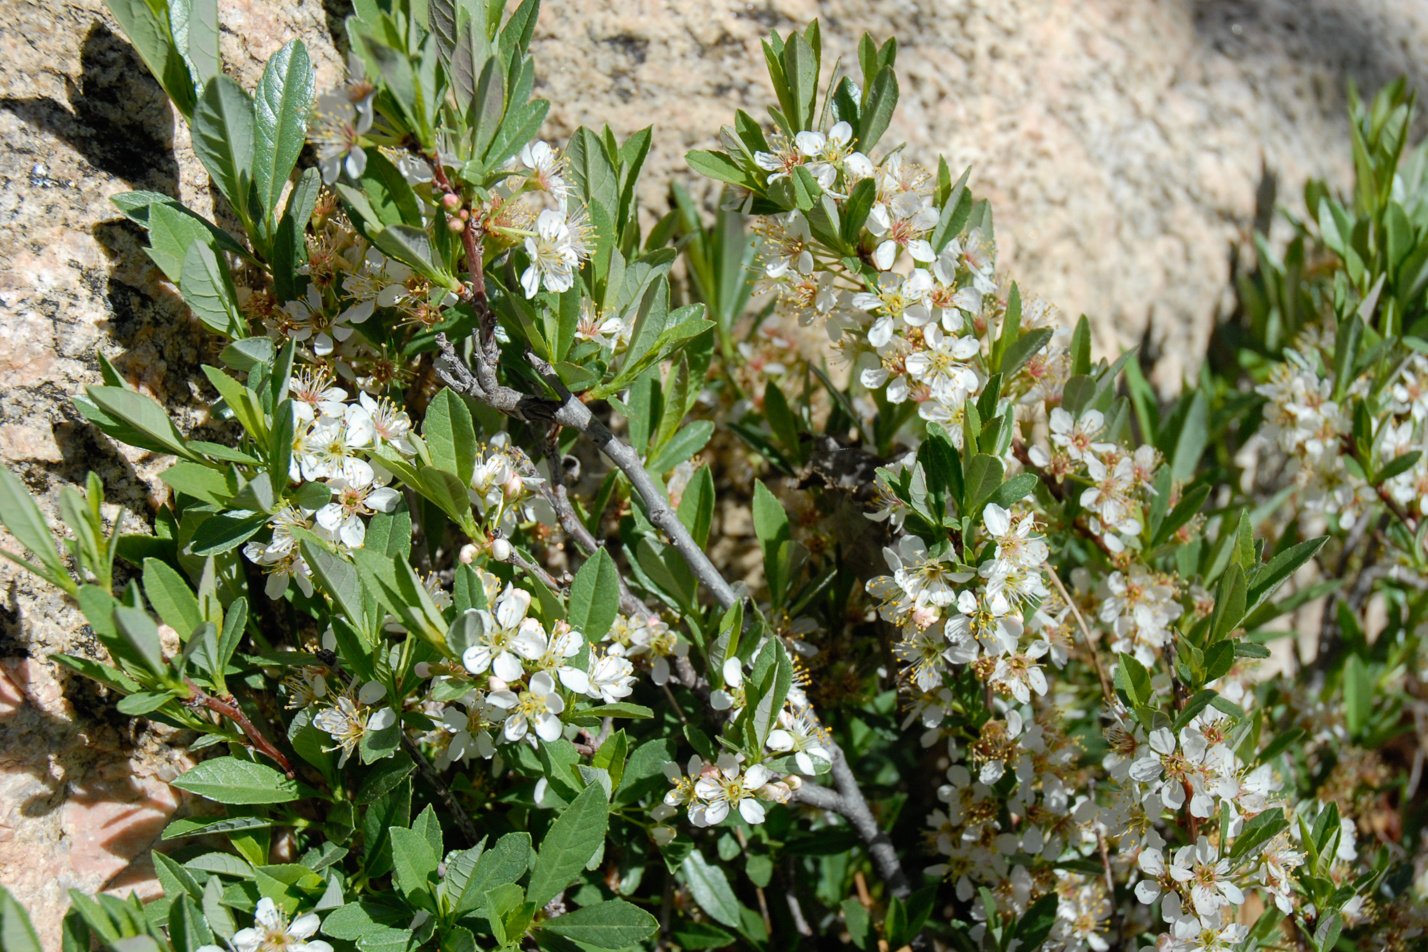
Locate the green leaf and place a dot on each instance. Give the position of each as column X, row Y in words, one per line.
column 170, row 595
column 1023, row 349
column 1219, row 659
column 194, row 25
column 686, row 441
column 208, row 826
column 450, row 435
column 696, row 505
column 413, row 862
column 595, row 596
column 20, row 515
column 615, row 924
column 772, row 528
column 984, row 478
column 234, row 781
column 1358, row 695
column 172, row 228
column 1133, row 679
column 1258, row 831
column 280, row 109
column 1037, row 923
column 208, row 290
column 136, row 419
column 1229, row 603
column 505, row 862
column 1267, row 578
column 711, row 890
column 572, row 841
column 619, row 709
column 144, row 702
column 223, row 136
column 1193, row 436
column 338, row 578
column 412, row 247
column 141, row 636
column 16, row 932
column 150, row 33
column 204, row 483
column 1014, row 489
column 226, row 532
column 717, row 165
column 877, row 114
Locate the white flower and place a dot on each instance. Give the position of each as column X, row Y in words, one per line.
column 538, row 706
column 551, row 652
column 546, row 170
column 902, row 223
column 989, row 620
column 731, row 696
column 1152, row 863
column 1019, row 674
column 470, row 730
column 315, row 395
column 272, row 932
column 1207, row 876
column 329, row 451
column 926, row 578
column 555, row 251
column 800, row 735
column 342, row 517
column 378, row 423
column 1077, row 436
column 309, row 319
column 494, row 649
column 1013, row 535
column 348, row 720
column 1110, row 494
column 941, row 365
column 726, row 787
column 611, row 677
column 340, row 119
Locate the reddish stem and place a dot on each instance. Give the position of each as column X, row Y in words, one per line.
column 228, row 707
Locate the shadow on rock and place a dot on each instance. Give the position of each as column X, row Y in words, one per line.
column 1335, row 34
column 117, row 117
column 50, row 748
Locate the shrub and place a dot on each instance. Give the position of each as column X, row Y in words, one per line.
column 537, row 596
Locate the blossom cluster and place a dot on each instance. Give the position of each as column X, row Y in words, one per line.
column 919, row 322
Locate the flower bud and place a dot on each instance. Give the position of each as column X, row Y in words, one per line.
column 455, row 225
column 451, row 201
column 467, row 555
column 501, row 550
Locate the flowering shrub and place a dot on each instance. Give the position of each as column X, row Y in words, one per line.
column 458, row 622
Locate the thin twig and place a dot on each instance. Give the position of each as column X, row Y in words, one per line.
column 1086, row 634
column 459, row 816
column 228, row 707
column 535, row 571
column 458, row 813
column 569, row 411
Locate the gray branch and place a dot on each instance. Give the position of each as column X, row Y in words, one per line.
column 846, row 799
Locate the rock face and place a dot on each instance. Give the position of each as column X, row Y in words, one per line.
column 1123, row 144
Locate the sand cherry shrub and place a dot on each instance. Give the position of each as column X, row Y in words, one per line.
column 783, row 576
